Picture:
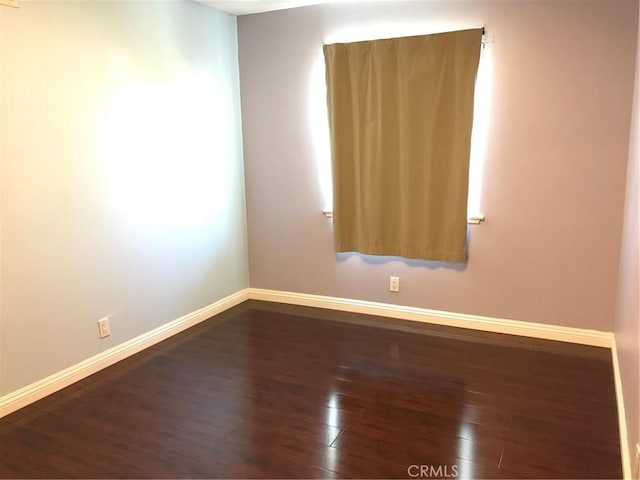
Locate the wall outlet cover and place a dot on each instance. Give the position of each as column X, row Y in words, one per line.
column 104, row 328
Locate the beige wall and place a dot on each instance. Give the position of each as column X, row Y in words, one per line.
column 122, row 183
column 554, row 176
column 627, row 326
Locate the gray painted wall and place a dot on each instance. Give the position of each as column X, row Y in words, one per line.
column 627, row 327
column 122, row 181
column 554, row 175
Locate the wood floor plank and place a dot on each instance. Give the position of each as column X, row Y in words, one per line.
column 276, row 391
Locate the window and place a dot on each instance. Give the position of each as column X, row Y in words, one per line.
column 400, row 117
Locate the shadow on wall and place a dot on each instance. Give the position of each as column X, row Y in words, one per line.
column 409, row 262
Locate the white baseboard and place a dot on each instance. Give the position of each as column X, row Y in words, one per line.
column 511, row 327
column 40, row 389
column 31, row 393
column 622, row 419
column 474, row 322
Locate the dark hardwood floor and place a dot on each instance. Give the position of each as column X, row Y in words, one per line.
column 266, row 390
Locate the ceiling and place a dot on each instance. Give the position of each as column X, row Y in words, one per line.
column 245, row 7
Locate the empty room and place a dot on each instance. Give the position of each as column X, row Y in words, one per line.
column 319, row 239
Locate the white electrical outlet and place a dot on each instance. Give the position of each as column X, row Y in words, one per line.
column 104, row 329
column 394, row 284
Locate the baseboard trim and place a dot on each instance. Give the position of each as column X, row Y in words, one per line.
column 475, row 322
column 581, row 336
column 31, row 393
column 622, row 418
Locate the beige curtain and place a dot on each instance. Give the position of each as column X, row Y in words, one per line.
column 400, row 115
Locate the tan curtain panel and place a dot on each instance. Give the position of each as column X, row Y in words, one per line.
column 400, row 116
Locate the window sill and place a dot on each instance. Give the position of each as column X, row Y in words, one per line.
column 475, row 220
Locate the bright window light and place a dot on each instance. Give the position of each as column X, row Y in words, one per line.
column 480, row 131
column 319, row 124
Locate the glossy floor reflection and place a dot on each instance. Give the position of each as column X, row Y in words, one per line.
column 271, row 391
